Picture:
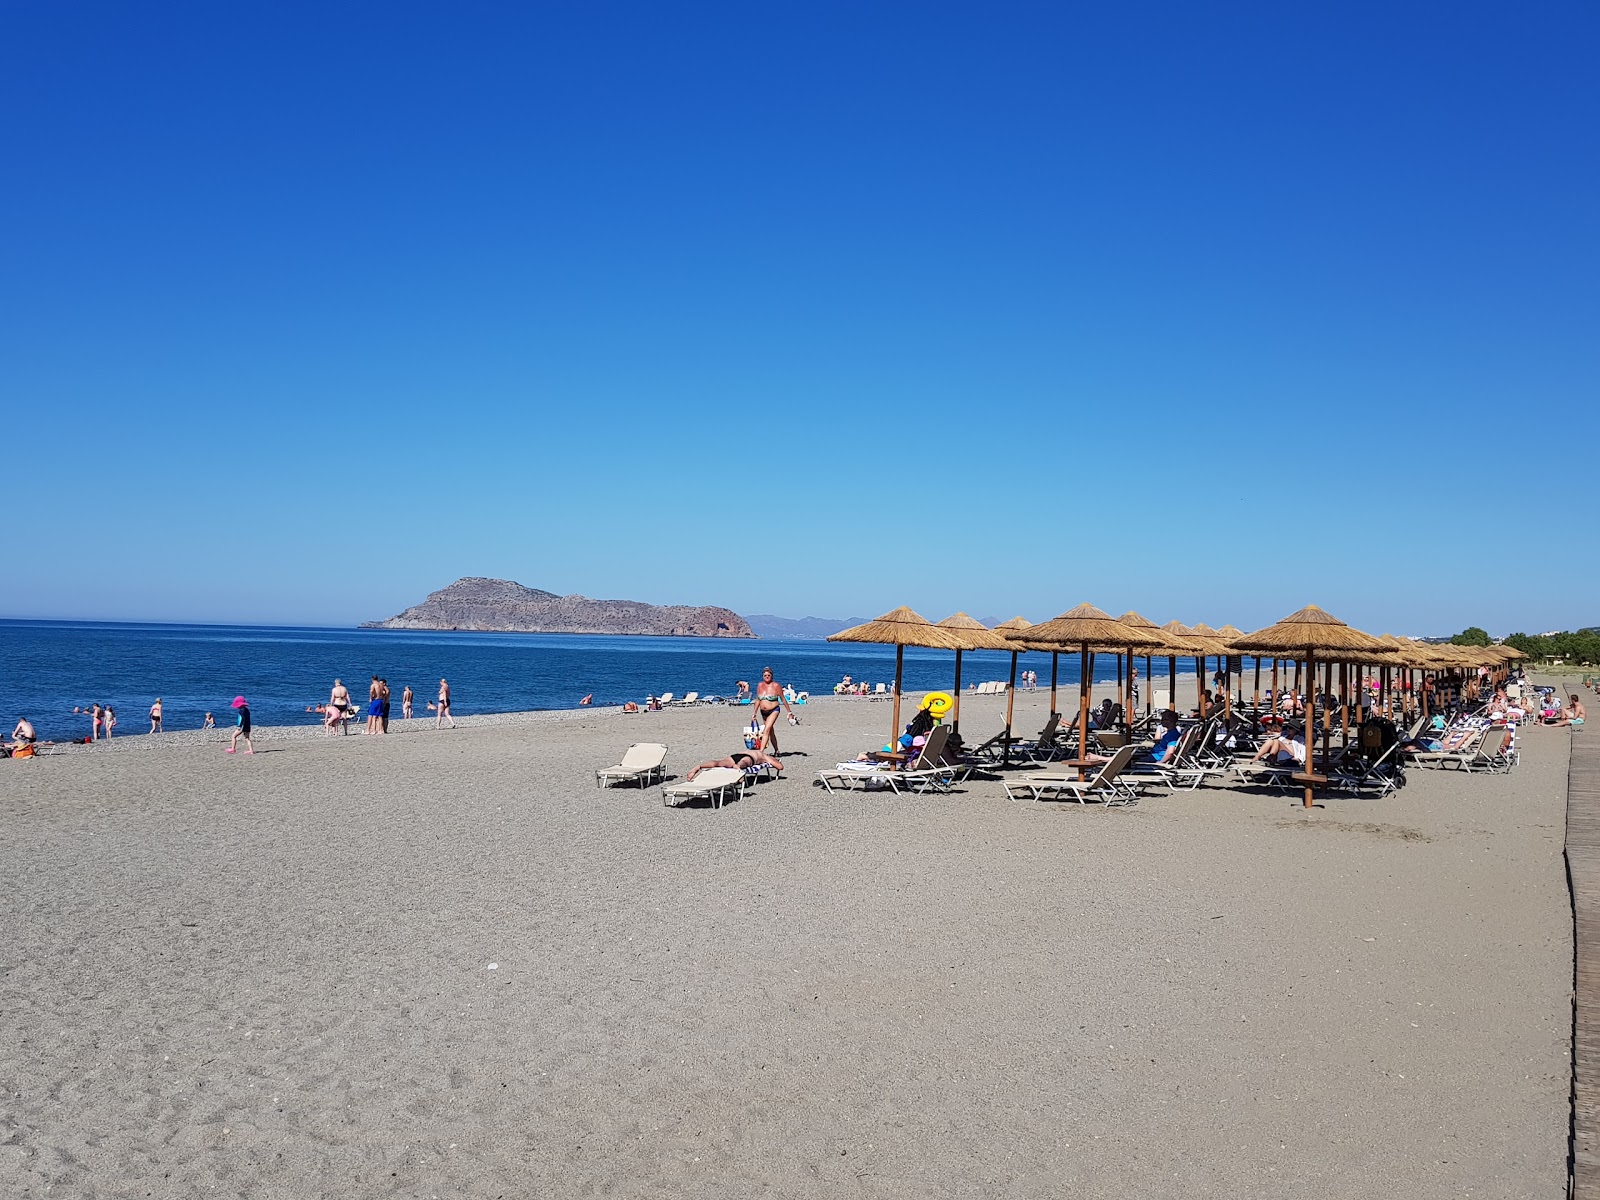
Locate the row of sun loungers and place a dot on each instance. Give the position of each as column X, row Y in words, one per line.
column 1203, row 754
column 645, row 763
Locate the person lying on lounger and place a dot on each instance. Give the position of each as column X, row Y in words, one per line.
column 740, row 760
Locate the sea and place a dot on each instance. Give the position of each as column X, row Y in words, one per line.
column 50, row 668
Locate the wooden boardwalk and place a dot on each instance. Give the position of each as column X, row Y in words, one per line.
column 1583, row 869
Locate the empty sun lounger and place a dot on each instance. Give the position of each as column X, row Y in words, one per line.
column 665, row 698
column 1104, row 784
column 689, row 699
column 714, row 784
column 643, row 763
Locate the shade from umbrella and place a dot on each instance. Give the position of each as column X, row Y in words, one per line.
column 1307, row 634
column 977, row 636
column 900, row 628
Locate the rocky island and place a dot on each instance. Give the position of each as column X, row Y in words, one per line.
column 501, row 606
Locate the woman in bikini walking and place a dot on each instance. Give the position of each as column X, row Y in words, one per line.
column 769, row 700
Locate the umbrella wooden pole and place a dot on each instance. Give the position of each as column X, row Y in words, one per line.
column 1383, row 687
column 1149, row 685
column 1122, row 700
column 1327, row 712
column 1258, row 688
column 1277, row 701
column 1083, row 705
column 1172, row 682
column 1054, row 655
column 1227, row 688
column 1011, row 695
column 1200, row 684
column 1309, row 734
column 899, row 667
column 1344, row 704
column 955, row 712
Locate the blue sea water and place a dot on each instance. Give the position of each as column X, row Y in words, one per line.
column 49, row 667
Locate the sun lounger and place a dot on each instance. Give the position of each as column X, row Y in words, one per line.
column 714, row 784
column 1493, row 751
column 925, row 773
column 689, row 699
column 1440, row 759
column 881, row 692
column 1104, row 784
column 643, row 762
column 665, row 699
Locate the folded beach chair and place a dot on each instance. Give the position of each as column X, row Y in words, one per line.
column 643, row 762
column 1104, row 784
column 714, row 784
column 920, row 775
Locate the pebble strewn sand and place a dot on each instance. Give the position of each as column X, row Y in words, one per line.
column 268, row 977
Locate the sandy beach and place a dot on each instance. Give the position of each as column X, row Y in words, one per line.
column 271, row 977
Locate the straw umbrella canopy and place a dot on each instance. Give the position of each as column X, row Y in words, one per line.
column 900, row 628
column 1171, row 644
column 1305, row 634
column 1087, row 626
column 976, row 636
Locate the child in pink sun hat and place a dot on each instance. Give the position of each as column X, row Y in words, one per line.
column 242, row 729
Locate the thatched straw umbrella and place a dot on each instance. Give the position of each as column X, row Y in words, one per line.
column 900, row 628
column 1308, row 633
column 1225, row 635
column 976, row 636
column 1207, row 645
column 1087, row 626
column 1170, row 642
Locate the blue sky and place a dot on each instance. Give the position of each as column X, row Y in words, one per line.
column 307, row 310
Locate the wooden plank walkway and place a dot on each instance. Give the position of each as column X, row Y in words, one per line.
column 1583, row 871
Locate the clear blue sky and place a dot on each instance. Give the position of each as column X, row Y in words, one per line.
column 306, row 310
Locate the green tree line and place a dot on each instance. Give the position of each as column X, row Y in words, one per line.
column 1580, row 647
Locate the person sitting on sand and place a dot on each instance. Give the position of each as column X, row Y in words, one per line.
column 740, row 760
column 1572, row 715
column 23, row 735
column 1289, row 746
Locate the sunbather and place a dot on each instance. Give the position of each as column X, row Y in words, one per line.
column 739, row 760
column 1167, row 740
column 1288, row 746
column 1572, row 715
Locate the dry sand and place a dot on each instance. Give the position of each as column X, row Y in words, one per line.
column 269, row 977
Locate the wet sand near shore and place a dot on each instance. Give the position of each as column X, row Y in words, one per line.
column 269, row 976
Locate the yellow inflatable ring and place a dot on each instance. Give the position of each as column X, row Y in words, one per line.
column 938, row 703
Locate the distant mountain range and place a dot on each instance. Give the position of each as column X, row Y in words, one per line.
column 766, row 625
column 499, row 605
